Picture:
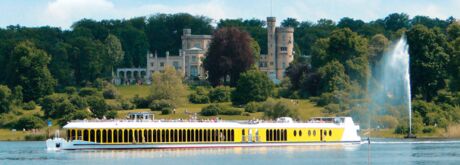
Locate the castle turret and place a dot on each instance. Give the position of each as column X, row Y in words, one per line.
column 284, row 49
column 271, row 46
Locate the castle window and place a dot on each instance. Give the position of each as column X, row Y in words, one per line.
column 151, row 64
column 283, row 48
column 197, row 45
column 162, row 64
column 271, row 63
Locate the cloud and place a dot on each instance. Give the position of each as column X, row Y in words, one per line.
column 65, row 12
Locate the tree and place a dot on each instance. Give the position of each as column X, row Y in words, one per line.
column 17, row 96
column 29, row 122
column 350, row 23
column 220, row 94
column 168, row 86
column 275, row 109
column 229, row 54
column 50, row 105
column 114, row 51
column 290, row 22
column 333, row 77
column 28, row 67
column 377, row 47
column 429, row 59
column 253, row 85
column 98, row 106
column 396, row 21
column 453, row 31
column 5, row 99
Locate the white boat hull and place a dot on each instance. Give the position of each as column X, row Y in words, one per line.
column 61, row 144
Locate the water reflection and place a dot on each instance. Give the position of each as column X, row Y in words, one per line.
column 173, row 153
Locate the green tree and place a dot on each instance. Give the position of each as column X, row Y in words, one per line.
column 29, row 122
column 275, row 109
column 290, row 22
column 98, row 106
column 28, row 67
column 5, row 99
column 397, row 21
column 168, row 85
column 377, row 47
column 229, row 54
column 333, row 77
column 17, row 96
column 253, row 85
column 429, row 60
column 220, row 94
column 114, row 51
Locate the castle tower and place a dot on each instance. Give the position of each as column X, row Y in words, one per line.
column 284, row 49
column 271, row 46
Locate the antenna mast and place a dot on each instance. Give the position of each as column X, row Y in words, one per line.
column 271, row 8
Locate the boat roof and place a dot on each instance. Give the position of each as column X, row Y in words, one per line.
column 186, row 124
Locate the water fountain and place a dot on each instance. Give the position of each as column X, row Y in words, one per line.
column 394, row 79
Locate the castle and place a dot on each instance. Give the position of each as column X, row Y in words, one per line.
column 280, row 45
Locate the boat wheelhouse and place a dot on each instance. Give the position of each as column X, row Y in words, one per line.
column 147, row 133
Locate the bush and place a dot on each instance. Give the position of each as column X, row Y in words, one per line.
column 140, row 102
column 252, row 85
column 84, row 92
column 110, row 92
column 198, row 99
column 29, row 122
column 166, row 111
column 126, row 105
column 77, row 115
column 78, row 101
column 220, row 94
column 111, row 114
column 429, row 129
column 98, row 106
column 332, row 108
column 158, row 105
column 252, row 107
column 50, row 105
column 5, row 99
column 276, row 109
column 35, row 137
column 70, row 90
column 230, row 111
column 211, row 110
column 29, row 105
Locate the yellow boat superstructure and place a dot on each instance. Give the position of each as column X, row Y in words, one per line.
column 118, row 134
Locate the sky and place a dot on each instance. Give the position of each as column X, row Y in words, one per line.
column 63, row 13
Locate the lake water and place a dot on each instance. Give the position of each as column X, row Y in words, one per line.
column 381, row 151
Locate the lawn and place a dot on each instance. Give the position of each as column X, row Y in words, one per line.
column 132, row 90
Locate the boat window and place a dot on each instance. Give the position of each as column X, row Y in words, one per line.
column 325, row 133
column 295, row 133
column 109, row 136
column 300, row 132
column 285, row 135
column 314, row 132
column 98, row 136
column 309, row 133
column 330, row 133
column 232, row 133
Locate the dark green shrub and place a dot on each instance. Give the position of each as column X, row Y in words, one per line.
column 211, row 110
column 198, row 99
column 29, row 122
column 78, row 101
column 126, row 105
column 230, row 111
column 220, row 94
column 252, row 107
column 112, row 114
column 5, row 99
column 98, row 106
column 276, row 109
column 140, row 102
column 158, row 105
column 29, row 105
column 110, row 92
column 166, row 111
column 70, row 90
column 84, row 92
column 429, row 129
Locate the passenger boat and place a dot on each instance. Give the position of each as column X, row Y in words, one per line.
column 147, row 133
